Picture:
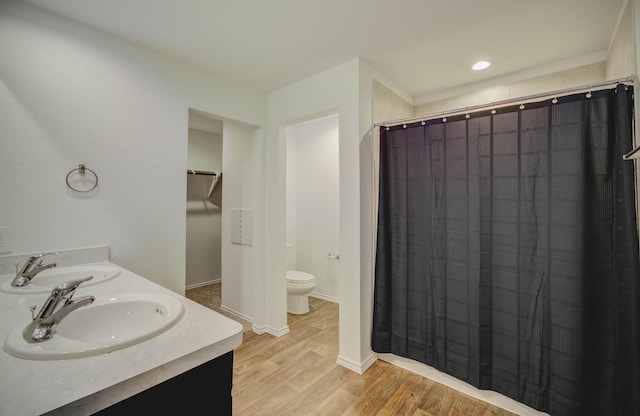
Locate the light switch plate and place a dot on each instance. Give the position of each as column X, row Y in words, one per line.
column 5, row 240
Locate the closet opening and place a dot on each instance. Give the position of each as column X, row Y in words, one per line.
column 204, row 209
column 219, row 272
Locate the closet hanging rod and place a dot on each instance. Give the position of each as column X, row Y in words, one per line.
column 201, row 172
column 519, row 100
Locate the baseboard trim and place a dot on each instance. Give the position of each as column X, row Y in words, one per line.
column 271, row 331
column 359, row 368
column 237, row 314
column 207, row 283
column 328, row 298
column 369, row 361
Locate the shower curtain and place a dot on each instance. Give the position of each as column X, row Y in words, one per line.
column 507, row 252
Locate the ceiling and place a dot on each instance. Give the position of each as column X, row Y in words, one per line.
column 423, row 46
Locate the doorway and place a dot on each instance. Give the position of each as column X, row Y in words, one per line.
column 204, row 212
column 313, row 203
column 219, row 273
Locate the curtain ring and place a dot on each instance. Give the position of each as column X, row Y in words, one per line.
column 81, row 169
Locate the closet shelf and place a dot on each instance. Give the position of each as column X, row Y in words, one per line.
column 214, row 183
column 633, row 154
column 216, row 178
column 201, row 172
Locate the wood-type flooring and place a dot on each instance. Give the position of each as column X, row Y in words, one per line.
column 297, row 374
column 211, row 297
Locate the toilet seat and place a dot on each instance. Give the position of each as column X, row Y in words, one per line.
column 296, row 276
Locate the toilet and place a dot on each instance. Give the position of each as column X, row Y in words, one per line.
column 299, row 285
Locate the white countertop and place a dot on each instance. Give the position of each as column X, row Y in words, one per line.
column 86, row 385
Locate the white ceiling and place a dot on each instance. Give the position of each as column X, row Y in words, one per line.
column 423, row 46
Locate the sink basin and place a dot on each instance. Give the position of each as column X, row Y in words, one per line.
column 46, row 280
column 108, row 324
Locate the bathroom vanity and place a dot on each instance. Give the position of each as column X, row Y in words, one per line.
column 190, row 363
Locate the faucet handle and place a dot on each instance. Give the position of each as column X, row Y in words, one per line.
column 35, row 257
column 29, row 263
column 69, row 287
column 41, row 255
column 52, row 253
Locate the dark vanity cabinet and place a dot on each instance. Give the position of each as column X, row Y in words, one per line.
column 204, row 390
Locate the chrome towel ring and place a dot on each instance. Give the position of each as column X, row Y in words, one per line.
column 81, row 169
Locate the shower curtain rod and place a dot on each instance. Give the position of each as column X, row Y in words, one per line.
column 591, row 87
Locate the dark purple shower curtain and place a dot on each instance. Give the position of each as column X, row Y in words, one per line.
column 508, row 252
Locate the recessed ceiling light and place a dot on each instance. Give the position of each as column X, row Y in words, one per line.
column 480, row 65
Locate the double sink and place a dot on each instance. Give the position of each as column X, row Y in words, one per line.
column 107, row 323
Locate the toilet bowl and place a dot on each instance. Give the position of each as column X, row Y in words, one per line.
column 299, row 285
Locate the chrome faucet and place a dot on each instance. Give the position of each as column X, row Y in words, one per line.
column 31, row 268
column 43, row 325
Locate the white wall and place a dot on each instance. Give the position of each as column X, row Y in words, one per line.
column 635, row 33
column 377, row 103
column 291, row 200
column 621, row 58
column 313, row 214
column 575, row 77
column 333, row 91
column 203, row 265
column 346, row 90
column 242, row 167
column 204, row 151
column 70, row 95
